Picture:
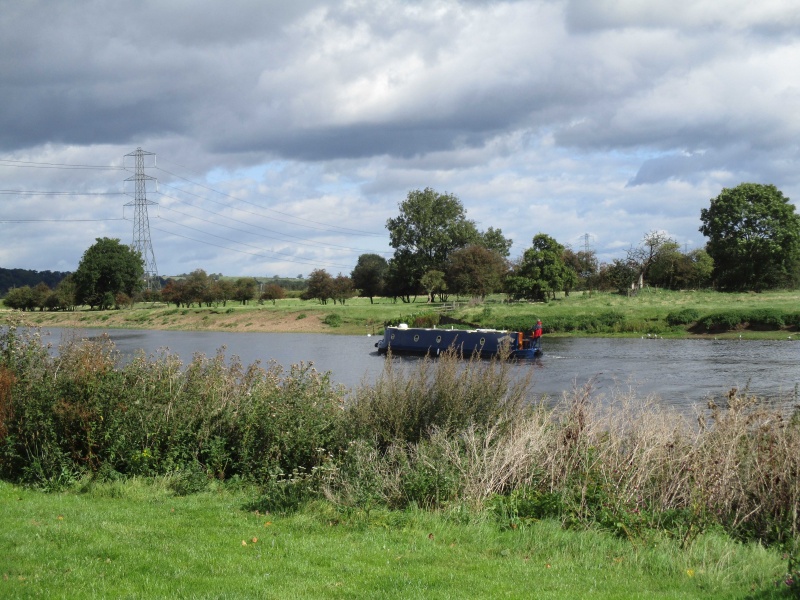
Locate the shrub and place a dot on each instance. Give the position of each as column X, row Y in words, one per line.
column 333, row 320
column 766, row 318
column 684, row 316
column 721, row 321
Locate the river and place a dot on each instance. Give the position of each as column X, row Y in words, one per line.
column 683, row 373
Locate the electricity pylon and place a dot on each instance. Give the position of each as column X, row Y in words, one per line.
column 141, row 223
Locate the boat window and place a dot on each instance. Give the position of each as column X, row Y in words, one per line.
column 392, row 336
column 483, row 341
column 416, row 338
column 438, row 339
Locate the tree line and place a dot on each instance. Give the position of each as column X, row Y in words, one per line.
column 754, row 244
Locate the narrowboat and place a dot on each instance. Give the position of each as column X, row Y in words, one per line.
column 483, row 342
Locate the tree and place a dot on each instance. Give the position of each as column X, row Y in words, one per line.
column 174, row 292
column 198, row 288
column 369, row 275
column 272, row 291
column 401, row 280
column 620, row 275
column 665, row 268
column 652, row 246
column 493, row 239
column 434, row 283
column 541, row 271
column 245, row 289
column 476, row 271
column 429, row 227
column 320, row 286
column 342, row 288
column 584, row 263
column 753, row 236
column 20, row 298
column 106, row 269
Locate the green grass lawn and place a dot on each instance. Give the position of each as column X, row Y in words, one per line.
column 138, row 540
column 646, row 311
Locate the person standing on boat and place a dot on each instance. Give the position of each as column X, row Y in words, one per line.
column 536, row 334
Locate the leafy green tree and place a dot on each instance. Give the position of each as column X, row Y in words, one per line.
column 369, row 275
column 342, row 289
column 476, row 271
column 430, row 226
column 584, row 263
column 620, row 275
column 434, row 283
column 245, row 289
column 106, row 269
column 20, row 298
column 401, row 281
column 753, row 236
column 665, row 268
column 493, row 239
column 198, row 288
column 223, row 290
column 648, row 252
column 320, row 286
column 174, row 292
column 272, row 291
column 541, row 271
column 698, row 269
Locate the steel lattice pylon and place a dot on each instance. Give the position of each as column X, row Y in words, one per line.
column 141, row 222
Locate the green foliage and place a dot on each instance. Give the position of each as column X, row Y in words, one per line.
column 476, row 271
column 369, row 275
column 754, row 238
column 107, row 268
column 83, row 412
column 427, row 319
column 542, row 271
column 333, row 320
column 685, row 316
column 768, row 319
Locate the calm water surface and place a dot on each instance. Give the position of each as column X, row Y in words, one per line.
column 680, row 372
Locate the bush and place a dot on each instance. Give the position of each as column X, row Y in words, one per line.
column 333, row 320
column 685, row 316
column 81, row 412
column 721, row 321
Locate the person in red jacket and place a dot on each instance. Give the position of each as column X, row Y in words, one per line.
column 536, row 334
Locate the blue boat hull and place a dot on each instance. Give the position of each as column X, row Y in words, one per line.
column 482, row 342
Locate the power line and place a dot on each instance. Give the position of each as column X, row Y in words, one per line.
column 37, row 193
column 275, row 252
column 343, row 229
column 58, row 220
column 258, row 254
column 44, row 165
column 303, row 241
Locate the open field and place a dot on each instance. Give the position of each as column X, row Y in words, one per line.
column 140, row 540
column 646, row 312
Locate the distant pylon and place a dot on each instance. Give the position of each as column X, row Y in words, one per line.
column 141, row 223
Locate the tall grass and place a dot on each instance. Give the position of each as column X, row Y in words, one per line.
column 447, row 433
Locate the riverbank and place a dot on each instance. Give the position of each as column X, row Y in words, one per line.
column 653, row 312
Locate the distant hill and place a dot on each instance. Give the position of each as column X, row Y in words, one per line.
column 11, row 278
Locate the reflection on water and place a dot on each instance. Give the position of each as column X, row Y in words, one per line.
column 680, row 372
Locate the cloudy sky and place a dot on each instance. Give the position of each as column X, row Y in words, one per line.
column 285, row 134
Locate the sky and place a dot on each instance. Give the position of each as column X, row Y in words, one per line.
column 283, row 135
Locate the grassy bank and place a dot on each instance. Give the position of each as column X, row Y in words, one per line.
column 662, row 312
column 138, row 539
